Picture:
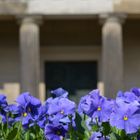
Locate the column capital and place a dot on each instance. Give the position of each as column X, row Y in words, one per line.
column 112, row 17
column 30, row 19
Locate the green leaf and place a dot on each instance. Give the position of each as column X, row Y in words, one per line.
column 95, row 128
column 32, row 136
column 106, row 128
column 114, row 136
column 27, row 135
column 81, row 132
column 79, row 124
column 122, row 134
column 12, row 134
column 5, row 128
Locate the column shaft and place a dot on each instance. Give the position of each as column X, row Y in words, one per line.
column 30, row 56
column 112, row 56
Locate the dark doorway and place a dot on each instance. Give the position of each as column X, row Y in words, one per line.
column 76, row 77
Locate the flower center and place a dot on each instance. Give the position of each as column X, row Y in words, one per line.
column 62, row 111
column 125, row 118
column 24, row 114
column 58, row 132
column 99, row 108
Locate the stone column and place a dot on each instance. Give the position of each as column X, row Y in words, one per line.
column 30, row 55
column 112, row 55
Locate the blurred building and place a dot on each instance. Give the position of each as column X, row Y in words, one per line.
column 76, row 44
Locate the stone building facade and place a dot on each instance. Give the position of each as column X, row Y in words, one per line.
column 37, row 34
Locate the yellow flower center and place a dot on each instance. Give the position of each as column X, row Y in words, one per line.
column 62, row 111
column 125, row 118
column 99, row 108
column 24, row 114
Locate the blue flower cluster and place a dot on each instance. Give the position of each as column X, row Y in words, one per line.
column 54, row 116
column 97, row 118
column 122, row 113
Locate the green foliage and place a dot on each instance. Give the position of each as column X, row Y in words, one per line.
column 106, row 128
column 16, row 132
column 81, row 131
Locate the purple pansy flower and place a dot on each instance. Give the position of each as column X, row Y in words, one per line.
column 98, row 136
column 29, row 107
column 3, row 106
column 61, row 110
column 3, row 101
column 54, row 132
column 41, row 118
column 13, row 113
column 126, row 116
column 136, row 91
column 127, row 96
column 103, row 110
column 88, row 104
column 3, row 118
column 60, row 92
column 61, row 105
column 96, row 106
